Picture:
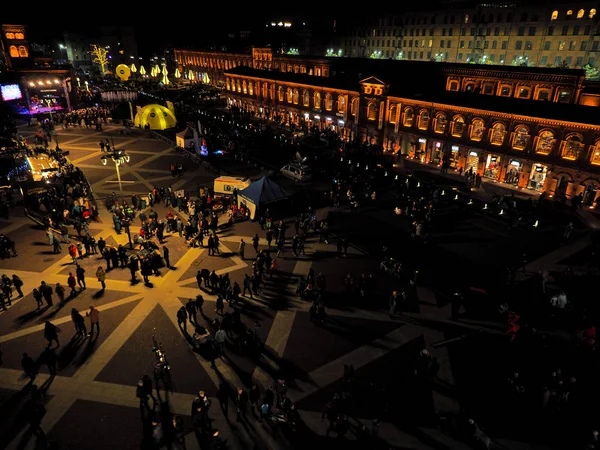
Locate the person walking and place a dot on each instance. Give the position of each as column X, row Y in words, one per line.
column 241, row 249
column 18, row 284
column 220, row 305
column 72, row 284
column 60, row 291
column 79, row 323
column 80, row 272
column 166, row 256
column 220, row 337
column 241, row 403
column 247, row 286
column 47, row 293
column 182, row 318
column 51, row 333
column 37, row 295
column 94, row 316
column 255, row 241
column 101, row 275
column 199, row 303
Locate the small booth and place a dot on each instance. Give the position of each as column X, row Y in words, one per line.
column 260, row 193
column 187, row 139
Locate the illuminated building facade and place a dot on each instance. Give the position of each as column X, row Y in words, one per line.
column 501, row 33
column 534, row 128
column 15, row 46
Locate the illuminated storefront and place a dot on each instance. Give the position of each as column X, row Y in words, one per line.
column 513, row 172
column 436, row 153
column 537, row 177
column 472, row 161
column 492, row 166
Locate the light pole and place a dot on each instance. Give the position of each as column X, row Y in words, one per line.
column 119, row 157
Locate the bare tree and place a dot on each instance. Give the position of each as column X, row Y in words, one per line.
column 100, row 56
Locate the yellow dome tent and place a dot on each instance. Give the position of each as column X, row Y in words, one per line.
column 158, row 116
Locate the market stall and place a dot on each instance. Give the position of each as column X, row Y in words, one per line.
column 259, row 194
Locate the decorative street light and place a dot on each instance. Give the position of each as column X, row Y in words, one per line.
column 119, row 157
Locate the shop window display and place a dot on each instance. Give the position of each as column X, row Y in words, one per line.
column 492, row 166
column 513, row 172
column 538, row 177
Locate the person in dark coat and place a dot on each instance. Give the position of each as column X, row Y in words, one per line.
column 29, row 366
column 51, row 333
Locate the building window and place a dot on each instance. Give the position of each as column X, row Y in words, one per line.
column 554, row 15
column 576, row 30
column 595, row 154
column 592, row 13
column 543, row 94
column 572, row 45
column 569, row 14
column 393, row 113
column 547, row 45
column 289, row 95
column 520, row 138
column 354, row 106
column 251, row 88
column 227, row 84
column 518, row 45
column 244, row 87
column 488, row 89
column 408, row 117
column 497, row 134
column 14, row 52
column 524, row 92
column 280, row 93
column 571, row 147
column 545, row 142
column 317, row 100
column 341, row 103
column 505, row 91
column 265, row 90
column 477, row 129
column 580, row 14
column 565, row 30
column 532, row 31
column 458, row 126
column 564, row 96
column 583, row 46
column 371, row 111
column 528, row 45
column 328, row 102
column 239, row 86
column 423, row 119
column 439, row 125
column 10, row 35
column 296, row 96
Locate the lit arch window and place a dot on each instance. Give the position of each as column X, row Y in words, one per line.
column 423, row 122
column 306, row 98
column 354, row 106
column 13, row 51
column 569, row 13
column 296, row 96
column 228, row 84
column 458, row 126
column 328, row 102
column 520, row 138
column 317, row 100
column 371, row 111
column 497, row 133
column 10, row 35
column 477, row 129
column 244, row 87
column 341, row 103
column 466, row 18
column 545, row 142
column 571, row 147
column 19, row 36
column 280, row 93
column 440, row 123
column 580, row 13
column 265, row 90
column 289, row 95
column 595, row 154
column 592, row 13
column 239, row 86
column 251, row 88
column 408, row 117
column 554, row 15
column 393, row 113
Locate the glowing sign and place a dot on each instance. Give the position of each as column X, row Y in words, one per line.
column 10, row 92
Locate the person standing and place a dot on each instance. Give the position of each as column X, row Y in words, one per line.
column 220, row 305
column 220, row 337
column 255, row 241
column 199, row 303
column 166, row 256
column 94, row 316
column 51, row 333
column 242, row 248
column 72, row 284
column 241, row 402
column 18, row 284
column 37, row 295
column 29, row 366
column 80, row 272
column 101, row 275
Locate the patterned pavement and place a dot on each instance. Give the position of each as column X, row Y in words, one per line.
column 94, row 392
